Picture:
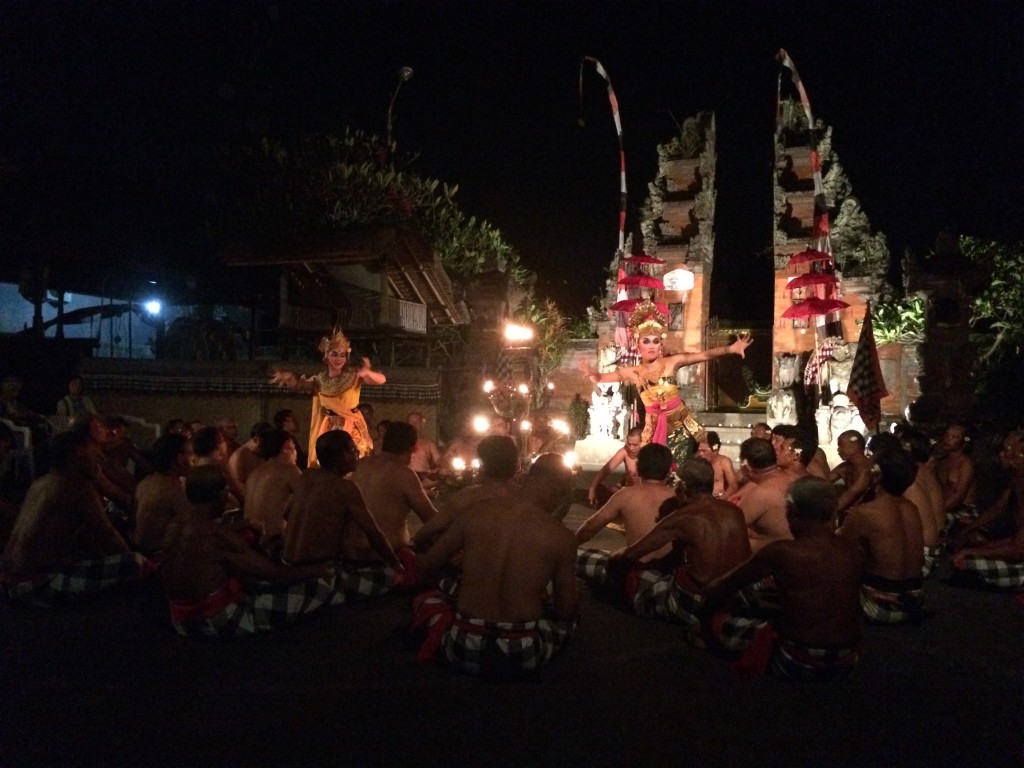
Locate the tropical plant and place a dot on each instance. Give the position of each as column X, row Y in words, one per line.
column 551, row 340
column 998, row 307
column 898, row 320
column 275, row 192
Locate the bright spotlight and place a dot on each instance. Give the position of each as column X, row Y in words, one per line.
column 481, row 424
column 488, row 386
column 518, row 334
column 525, row 426
column 523, row 389
column 569, row 459
column 458, row 464
column 560, row 425
column 153, row 307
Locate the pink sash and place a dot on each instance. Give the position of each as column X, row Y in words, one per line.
column 661, row 411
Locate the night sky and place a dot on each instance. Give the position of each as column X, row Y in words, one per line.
column 110, row 114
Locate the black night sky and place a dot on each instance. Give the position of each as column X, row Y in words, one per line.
column 110, row 114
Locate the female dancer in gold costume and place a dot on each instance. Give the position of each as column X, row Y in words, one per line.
column 336, row 394
column 668, row 421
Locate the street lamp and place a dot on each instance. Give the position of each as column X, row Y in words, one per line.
column 404, row 75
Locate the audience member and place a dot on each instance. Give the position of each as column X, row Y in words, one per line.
column 391, row 488
column 285, row 419
column 242, row 462
column 160, row 497
column 814, row 632
column 425, row 460
column 954, row 469
column 219, row 586
column 598, row 494
column 708, row 538
column 517, row 601
column 726, row 482
column 63, row 545
column 210, row 448
column 764, row 503
column 889, row 529
column 73, row 404
column 270, row 486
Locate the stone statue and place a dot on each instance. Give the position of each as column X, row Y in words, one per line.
column 781, row 407
column 789, row 369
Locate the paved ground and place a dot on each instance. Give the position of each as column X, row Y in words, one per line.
column 110, row 684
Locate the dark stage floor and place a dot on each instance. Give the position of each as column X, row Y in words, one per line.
column 110, row 684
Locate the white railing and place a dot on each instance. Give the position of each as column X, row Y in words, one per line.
column 406, row 315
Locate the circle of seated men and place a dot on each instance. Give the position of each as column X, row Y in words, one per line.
column 776, row 566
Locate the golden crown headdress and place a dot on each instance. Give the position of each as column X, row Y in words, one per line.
column 336, row 340
column 646, row 318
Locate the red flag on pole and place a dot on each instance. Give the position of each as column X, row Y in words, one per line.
column 867, row 387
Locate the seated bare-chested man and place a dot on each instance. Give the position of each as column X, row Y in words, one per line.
column 391, row 488
column 328, row 521
column 63, row 544
column 217, row 585
column 954, row 469
column 727, row 483
column 889, row 529
column 514, row 553
column 815, row 630
column 764, row 504
column 708, row 537
column 160, row 497
column 854, row 471
column 270, row 485
column 247, row 457
column 209, row 446
column 598, row 493
column 635, row 506
column 499, row 463
column 990, row 550
column 918, row 495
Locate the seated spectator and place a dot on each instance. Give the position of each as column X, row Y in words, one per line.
column 598, row 493
column 888, row 528
column 63, row 546
column 73, row 404
column 425, row 459
column 270, row 486
column 854, row 471
column 219, row 586
column 708, row 538
column 517, row 601
column 990, row 550
column 763, row 502
column 177, row 427
column 124, row 453
column 499, row 462
column 391, row 488
column 210, row 448
column 328, row 522
column 160, row 497
column 15, row 411
column 242, row 462
column 635, row 506
column 726, row 482
column 285, row 419
column 814, row 630
column 954, row 469
column 229, row 428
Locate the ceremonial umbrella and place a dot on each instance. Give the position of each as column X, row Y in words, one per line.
column 808, row 256
column 814, row 308
column 628, row 305
column 642, row 281
column 811, row 278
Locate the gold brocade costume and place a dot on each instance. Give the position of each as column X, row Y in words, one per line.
column 668, row 420
column 334, row 407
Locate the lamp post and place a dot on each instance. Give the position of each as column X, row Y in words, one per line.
column 404, row 74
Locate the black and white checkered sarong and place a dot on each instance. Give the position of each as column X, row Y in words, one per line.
column 995, row 573
column 78, row 580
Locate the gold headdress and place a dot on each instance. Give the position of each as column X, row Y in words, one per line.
column 336, row 340
column 646, row 318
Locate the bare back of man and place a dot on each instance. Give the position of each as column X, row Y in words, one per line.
column 819, row 580
column 708, row 536
column 764, row 509
column 510, row 554
column 637, row 508
column 392, row 491
column 889, row 528
column 328, row 520
column 267, row 491
column 917, row 494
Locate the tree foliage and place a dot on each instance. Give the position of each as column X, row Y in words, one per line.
column 275, row 191
column 551, row 340
column 898, row 320
column 998, row 307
